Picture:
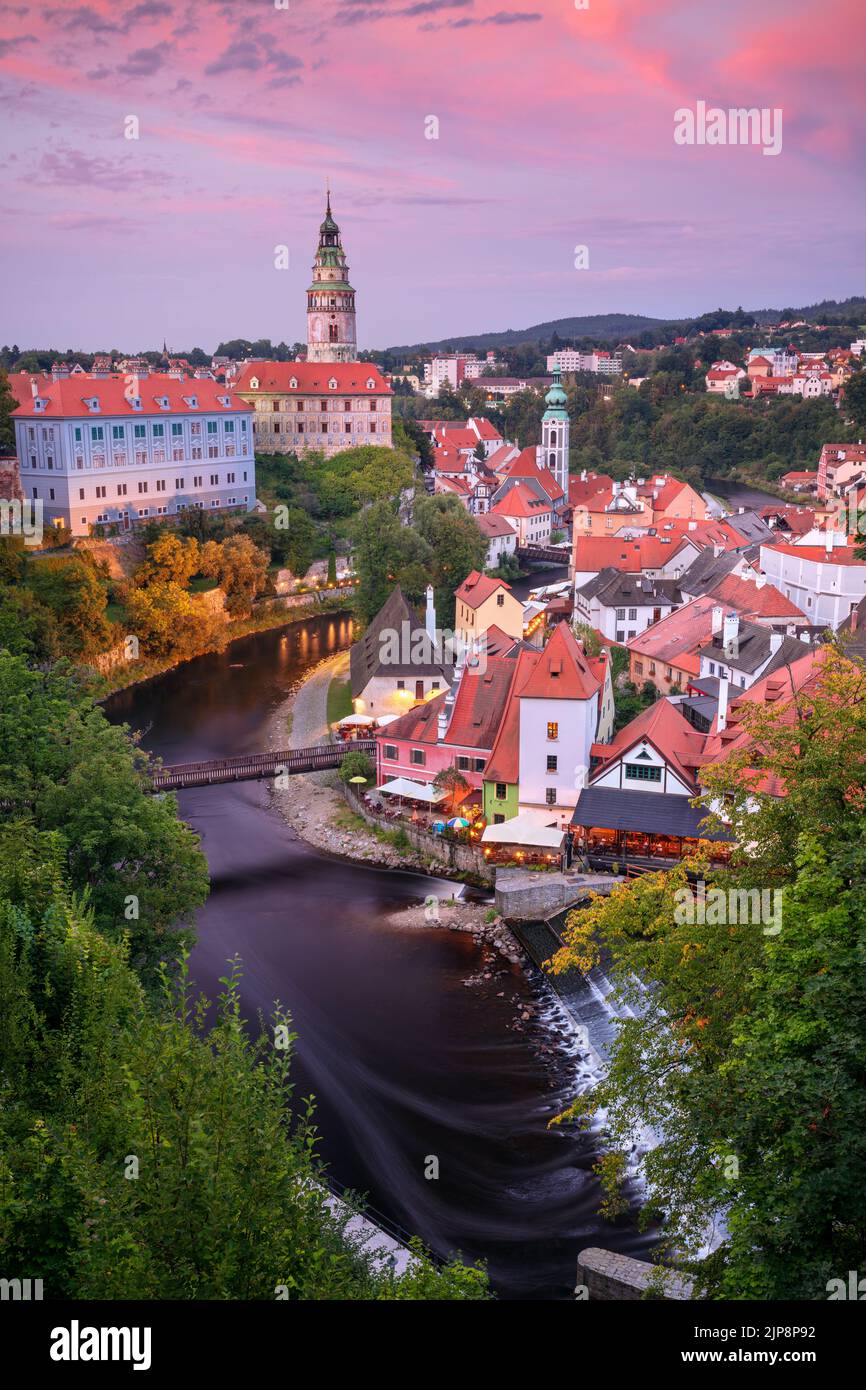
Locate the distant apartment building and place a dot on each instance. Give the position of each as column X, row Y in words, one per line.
column 840, row 467
column 453, row 368
column 328, row 406
column 101, row 451
column 570, row 360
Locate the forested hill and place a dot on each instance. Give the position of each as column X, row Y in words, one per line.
column 616, row 328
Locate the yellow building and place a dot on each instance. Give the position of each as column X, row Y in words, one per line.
column 482, row 603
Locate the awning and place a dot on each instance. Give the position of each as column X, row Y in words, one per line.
column 651, row 813
column 531, row 828
column 414, row 791
column 353, row 721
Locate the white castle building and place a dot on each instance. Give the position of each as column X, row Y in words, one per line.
column 117, row 451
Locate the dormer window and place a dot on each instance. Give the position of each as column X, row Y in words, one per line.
column 135, row 402
column 92, row 403
column 191, row 401
column 332, row 384
column 162, row 402
column 225, row 401
column 371, row 385
column 254, row 383
column 294, row 383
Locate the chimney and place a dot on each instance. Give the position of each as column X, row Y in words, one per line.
column 855, row 618
column 760, row 580
column 723, row 705
column 718, row 615
column 430, row 615
column 776, row 639
column 34, row 389
column 731, row 634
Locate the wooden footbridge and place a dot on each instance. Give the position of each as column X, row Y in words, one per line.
column 252, row 766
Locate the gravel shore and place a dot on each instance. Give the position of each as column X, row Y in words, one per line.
column 313, row 804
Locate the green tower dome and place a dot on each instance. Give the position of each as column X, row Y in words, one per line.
column 556, row 399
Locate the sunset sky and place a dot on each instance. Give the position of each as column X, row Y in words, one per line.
column 555, row 130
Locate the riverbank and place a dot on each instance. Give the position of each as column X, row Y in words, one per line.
column 273, row 614
column 313, row 803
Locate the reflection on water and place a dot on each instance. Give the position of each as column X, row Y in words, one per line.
column 410, row 1051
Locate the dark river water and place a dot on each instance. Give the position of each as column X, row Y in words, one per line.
column 408, row 1050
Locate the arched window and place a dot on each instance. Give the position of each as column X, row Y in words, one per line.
column 553, row 439
column 333, row 332
column 551, row 460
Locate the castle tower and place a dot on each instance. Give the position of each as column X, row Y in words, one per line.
column 330, row 300
column 553, row 450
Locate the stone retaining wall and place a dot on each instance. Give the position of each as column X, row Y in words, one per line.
column 450, row 854
column 609, row 1277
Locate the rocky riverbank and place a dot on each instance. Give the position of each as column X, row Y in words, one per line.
column 313, row 803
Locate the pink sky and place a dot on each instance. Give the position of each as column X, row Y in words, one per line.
column 555, row 130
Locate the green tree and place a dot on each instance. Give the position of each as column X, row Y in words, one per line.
column 451, row 780
column 357, row 764
column 456, row 544
column 228, row 1199
column 75, row 594
column 8, row 403
column 854, row 399
column 170, row 558
column 744, row 1046
column 383, row 550
column 71, row 772
column 241, row 569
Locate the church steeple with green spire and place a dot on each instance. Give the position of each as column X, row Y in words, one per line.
column 555, row 428
column 331, row 333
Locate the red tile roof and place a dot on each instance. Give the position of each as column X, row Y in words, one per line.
column 594, row 553
column 563, row 671
column 66, row 397
column 818, row 554
column 503, row 765
column 479, row 704
column 753, row 601
column 675, row 639
column 525, row 465
column 313, row 377
column 672, row 736
column 493, row 525
column 520, row 501
column 477, row 588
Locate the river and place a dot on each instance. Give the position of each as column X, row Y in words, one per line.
column 408, row 1049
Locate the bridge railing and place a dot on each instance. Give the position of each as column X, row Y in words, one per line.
column 248, row 766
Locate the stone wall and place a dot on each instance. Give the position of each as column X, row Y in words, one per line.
column 606, row 1276
column 527, row 895
column 451, row 854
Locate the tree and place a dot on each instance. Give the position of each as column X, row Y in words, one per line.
column 228, row 1200
column 241, row 569
column 854, row 399
column 744, row 1051
column 168, row 622
column 384, row 550
column 67, row 770
column 72, row 590
column 356, row 764
column 170, row 558
column 588, row 637
column 27, row 627
column 7, row 404
column 332, row 567
column 457, row 547
column 451, row 780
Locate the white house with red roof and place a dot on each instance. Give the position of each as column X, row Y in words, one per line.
column 327, row 406
column 559, row 721
column 501, row 538
column 825, row 581
column 530, row 514
column 658, row 751
column 117, row 451
column 482, row 602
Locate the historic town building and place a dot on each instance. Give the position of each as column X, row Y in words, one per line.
column 113, row 452
column 331, row 300
column 331, row 401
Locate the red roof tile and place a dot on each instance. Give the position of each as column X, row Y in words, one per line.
column 477, row 588
column 66, row 397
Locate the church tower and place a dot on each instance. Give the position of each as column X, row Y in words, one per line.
column 553, row 450
column 330, row 300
